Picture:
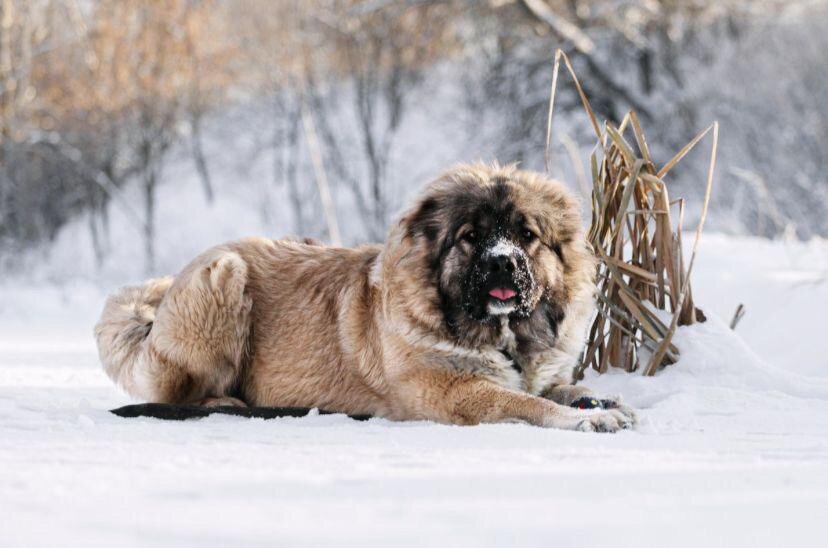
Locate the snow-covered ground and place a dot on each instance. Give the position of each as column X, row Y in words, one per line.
column 732, row 448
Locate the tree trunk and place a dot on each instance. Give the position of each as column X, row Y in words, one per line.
column 290, row 149
column 97, row 246
column 149, row 226
column 278, row 160
column 199, row 158
column 377, row 183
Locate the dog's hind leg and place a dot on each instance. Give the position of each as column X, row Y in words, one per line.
column 198, row 342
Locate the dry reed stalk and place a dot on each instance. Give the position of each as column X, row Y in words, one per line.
column 641, row 268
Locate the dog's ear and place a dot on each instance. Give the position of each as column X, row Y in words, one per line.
column 423, row 220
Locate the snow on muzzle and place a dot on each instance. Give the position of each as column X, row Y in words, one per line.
column 504, row 274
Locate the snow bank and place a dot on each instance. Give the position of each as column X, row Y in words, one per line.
column 784, row 286
column 732, row 448
column 730, row 451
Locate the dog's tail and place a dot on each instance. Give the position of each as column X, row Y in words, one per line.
column 122, row 331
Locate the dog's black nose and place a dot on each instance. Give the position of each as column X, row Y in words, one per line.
column 499, row 264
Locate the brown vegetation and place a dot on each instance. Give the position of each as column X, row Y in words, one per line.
column 641, row 269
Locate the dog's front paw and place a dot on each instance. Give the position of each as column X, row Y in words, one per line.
column 614, row 402
column 605, row 420
column 611, row 402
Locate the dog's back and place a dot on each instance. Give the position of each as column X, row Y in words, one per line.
column 314, row 340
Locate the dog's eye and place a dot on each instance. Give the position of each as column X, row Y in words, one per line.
column 470, row 236
column 527, row 234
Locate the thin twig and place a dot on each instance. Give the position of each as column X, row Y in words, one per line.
column 737, row 316
column 320, row 176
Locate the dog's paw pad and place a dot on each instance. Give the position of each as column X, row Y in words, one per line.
column 587, row 402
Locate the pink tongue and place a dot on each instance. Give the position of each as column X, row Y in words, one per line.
column 502, row 293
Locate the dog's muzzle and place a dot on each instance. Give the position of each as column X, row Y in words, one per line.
column 500, row 281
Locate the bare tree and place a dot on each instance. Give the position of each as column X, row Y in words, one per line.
column 382, row 55
column 149, row 76
column 209, row 54
column 274, row 46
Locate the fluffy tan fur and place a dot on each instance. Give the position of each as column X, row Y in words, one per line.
column 362, row 330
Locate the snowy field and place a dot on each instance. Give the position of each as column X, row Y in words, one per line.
column 732, row 449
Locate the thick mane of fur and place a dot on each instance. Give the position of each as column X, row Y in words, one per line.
column 419, row 247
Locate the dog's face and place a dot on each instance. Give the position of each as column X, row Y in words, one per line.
column 491, row 269
column 497, row 243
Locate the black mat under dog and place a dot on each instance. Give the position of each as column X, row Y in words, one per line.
column 176, row 412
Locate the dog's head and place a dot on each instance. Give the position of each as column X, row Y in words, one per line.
column 496, row 243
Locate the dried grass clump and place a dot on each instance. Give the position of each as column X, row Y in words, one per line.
column 643, row 284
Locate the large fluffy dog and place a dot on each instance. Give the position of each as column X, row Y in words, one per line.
column 473, row 311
